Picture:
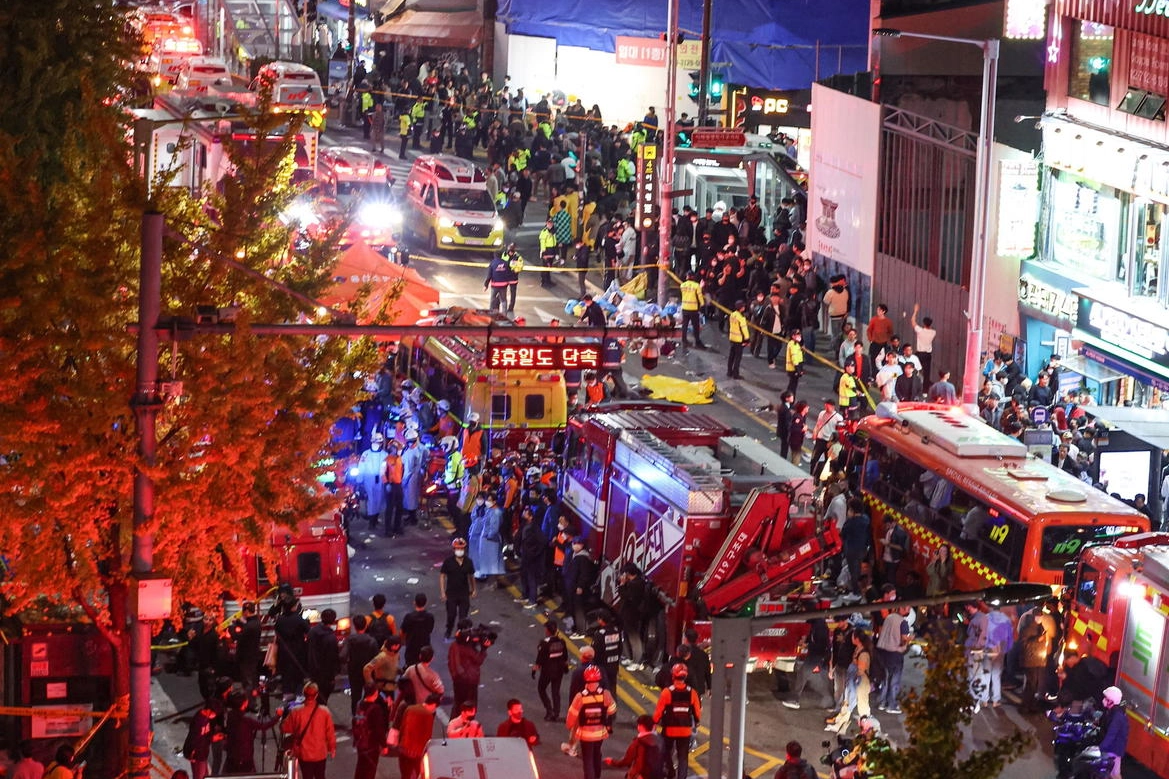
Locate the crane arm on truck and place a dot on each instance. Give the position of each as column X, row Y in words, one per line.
column 766, row 547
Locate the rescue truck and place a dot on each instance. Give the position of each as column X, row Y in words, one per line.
column 685, row 499
column 1119, row 614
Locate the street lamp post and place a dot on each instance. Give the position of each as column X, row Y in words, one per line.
column 980, row 246
column 666, row 164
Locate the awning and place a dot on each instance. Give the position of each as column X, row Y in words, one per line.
column 1147, row 424
column 455, row 30
column 1090, row 369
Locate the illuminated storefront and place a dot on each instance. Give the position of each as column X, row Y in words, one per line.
column 1097, row 285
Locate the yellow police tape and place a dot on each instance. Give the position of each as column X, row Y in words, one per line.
column 527, row 267
column 828, row 363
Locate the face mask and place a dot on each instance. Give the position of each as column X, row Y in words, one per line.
column 377, row 447
column 459, row 553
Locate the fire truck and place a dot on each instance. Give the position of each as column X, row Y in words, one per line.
column 1119, row 614
column 682, row 497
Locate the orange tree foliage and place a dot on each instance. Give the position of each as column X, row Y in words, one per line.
column 237, row 450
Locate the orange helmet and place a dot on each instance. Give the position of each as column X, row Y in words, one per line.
column 679, row 671
column 459, row 543
column 592, row 673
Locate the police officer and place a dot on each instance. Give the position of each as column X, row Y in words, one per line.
column 548, row 253
column 499, row 275
column 515, row 262
column 417, row 115
column 606, row 640
column 591, row 715
column 678, row 712
column 739, row 334
column 551, row 665
column 692, row 303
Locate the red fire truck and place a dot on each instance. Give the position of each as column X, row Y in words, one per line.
column 1119, row 614
column 312, row 558
column 673, row 491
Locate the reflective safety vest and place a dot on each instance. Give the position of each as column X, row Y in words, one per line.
column 625, row 170
column 547, row 240
column 519, row 160
column 592, row 709
column 471, row 120
column 516, row 263
column 692, row 298
column 795, row 356
column 739, row 331
column 366, row 102
column 847, row 389
column 418, row 111
column 678, row 716
column 393, row 469
column 404, row 124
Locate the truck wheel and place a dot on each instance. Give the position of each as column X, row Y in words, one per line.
column 432, row 243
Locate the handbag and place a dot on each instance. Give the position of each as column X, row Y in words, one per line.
column 270, row 657
column 393, row 736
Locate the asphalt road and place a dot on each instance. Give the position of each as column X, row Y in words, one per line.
column 404, row 566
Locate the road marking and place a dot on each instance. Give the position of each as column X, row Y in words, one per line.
column 546, row 316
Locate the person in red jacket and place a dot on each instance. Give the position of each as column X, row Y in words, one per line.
column 414, row 731
column 678, row 712
column 311, row 729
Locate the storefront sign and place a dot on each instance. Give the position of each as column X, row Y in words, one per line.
column 1051, row 301
column 651, row 52
column 1147, row 16
column 1151, row 7
column 1026, row 20
column 1124, row 332
column 646, row 185
column 505, row 356
column 1018, row 207
column 752, row 107
column 1146, row 68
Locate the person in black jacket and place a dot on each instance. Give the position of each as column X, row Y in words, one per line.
column 291, row 656
column 241, row 729
column 551, row 665
column 245, row 631
column 697, row 664
column 812, row 667
column 593, row 315
column 357, row 650
column 324, row 655
column 579, row 573
column 369, row 732
column 417, row 626
column 631, row 599
column 532, row 546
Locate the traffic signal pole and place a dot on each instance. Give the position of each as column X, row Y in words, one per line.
column 666, row 163
column 704, row 67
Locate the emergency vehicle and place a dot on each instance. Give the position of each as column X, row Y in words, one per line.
column 313, row 559
column 511, row 403
column 1119, row 614
column 690, row 503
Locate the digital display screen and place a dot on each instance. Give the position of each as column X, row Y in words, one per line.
column 1125, row 473
column 551, row 356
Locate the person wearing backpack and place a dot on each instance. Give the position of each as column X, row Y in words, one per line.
column 678, row 712
column 795, row 766
column 369, row 727
column 1000, row 637
column 381, row 624
column 645, row 758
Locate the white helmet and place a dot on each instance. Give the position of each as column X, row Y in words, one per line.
column 411, row 435
column 449, row 444
column 416, row 395
column 377, row 438
column 412, row 424
column 532, row 472
column 444, row 405
column 473, row 416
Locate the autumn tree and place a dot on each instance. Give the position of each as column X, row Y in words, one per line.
column 936, row 718
column 238, row 449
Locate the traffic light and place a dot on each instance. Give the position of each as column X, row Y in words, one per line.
column 695, row 84
column 716, row 86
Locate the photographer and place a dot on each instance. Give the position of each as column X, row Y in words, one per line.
column 465, row 661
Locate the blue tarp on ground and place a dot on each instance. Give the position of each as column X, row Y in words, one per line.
column 770, row 44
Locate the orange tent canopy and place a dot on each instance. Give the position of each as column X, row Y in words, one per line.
column 360, row 265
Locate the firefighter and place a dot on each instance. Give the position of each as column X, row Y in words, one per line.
column 590, row 716
column 678, row 712
column 692, row 303
column 551, row 665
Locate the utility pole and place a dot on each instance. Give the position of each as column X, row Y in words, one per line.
column 348, row 119
column 146, row 404
column 666, row 163
column 704, row 66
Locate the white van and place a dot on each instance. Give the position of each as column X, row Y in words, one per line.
column 479, row 758
column 448, row 206
column 295, row 87
column 196, row 74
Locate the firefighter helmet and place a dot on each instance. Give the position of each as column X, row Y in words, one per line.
column 459, row 543
column 592, row 674
column 679, row 671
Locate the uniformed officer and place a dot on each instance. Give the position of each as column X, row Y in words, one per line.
column 678, row 712
column 403, row 133
column 606, row 640
column 417, row 115
column 548, row 253
column 551, row 665
column 499, row 275
column 739, row 334
column 515, row 262
column 590, row 715
column 692, row 302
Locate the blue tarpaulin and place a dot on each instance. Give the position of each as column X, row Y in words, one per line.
column 770, row 44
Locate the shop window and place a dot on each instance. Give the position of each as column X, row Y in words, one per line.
column 1091, row 63
column 1084, row 231
column 1147, row 252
